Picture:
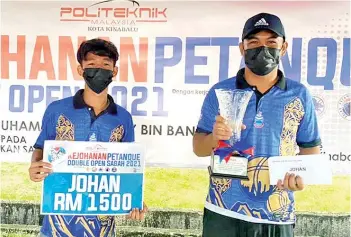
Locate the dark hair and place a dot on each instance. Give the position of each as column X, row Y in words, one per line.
column 98, row 47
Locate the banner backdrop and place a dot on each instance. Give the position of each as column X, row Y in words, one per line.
column 171, row 53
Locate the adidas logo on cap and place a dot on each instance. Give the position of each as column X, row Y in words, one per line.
column 262, row 22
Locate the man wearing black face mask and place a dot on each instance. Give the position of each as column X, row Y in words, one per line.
column 90, row 115
column 279, row 118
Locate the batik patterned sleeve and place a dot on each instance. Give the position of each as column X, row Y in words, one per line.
column 308, row 133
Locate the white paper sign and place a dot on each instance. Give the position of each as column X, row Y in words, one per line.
column 93, row 178
column 314, row 169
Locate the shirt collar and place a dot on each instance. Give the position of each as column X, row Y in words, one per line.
column 241, row 83
column 79, row 103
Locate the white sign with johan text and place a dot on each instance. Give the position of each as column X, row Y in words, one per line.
column 314, row 169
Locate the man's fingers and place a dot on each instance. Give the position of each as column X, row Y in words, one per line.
column 40, row 170
column 137, row 214
column 280, row 184
column 299, row 183
column 132, row 214
column 292, row 183
column 145, row 208
column 222, row 126
column 39, row 176
column 222, row 138
column 286, row 181
column 223, row 133
column 41, row 163
column 220, row 119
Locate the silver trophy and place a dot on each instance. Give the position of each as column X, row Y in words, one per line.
column 232, row 107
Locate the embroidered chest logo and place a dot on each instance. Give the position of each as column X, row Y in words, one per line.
column 92, row 137
column 117, row 134
column 259, row 120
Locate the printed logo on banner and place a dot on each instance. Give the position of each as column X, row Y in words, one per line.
column 132, row 1
column 97, row 147
column 344, row 106
column 319, row 105
column 113, row 19
column 56, row 153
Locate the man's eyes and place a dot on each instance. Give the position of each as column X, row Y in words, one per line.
column 97, row 64
column 253, row 42
column 272, row 42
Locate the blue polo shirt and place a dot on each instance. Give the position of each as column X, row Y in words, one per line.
column 277, row 122
column 71, row 119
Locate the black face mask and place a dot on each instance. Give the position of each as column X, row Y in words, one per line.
column 97, row 79
column 262, row 60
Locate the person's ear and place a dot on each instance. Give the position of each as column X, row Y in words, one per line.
column 241, row 48
column 284, row 49
column 80, row 70
column 115, row 71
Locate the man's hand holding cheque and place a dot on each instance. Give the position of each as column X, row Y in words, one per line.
column 298, row 171
column 291, row 182
column 137, row 214
column 39, row 170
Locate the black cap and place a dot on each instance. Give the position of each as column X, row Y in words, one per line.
column 263, row 21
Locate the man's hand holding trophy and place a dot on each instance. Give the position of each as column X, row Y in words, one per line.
column 230, row 158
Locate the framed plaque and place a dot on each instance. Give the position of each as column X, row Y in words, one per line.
column 234, row 166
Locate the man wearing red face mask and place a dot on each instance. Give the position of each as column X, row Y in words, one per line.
column 90, row 115
column 280, row 118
